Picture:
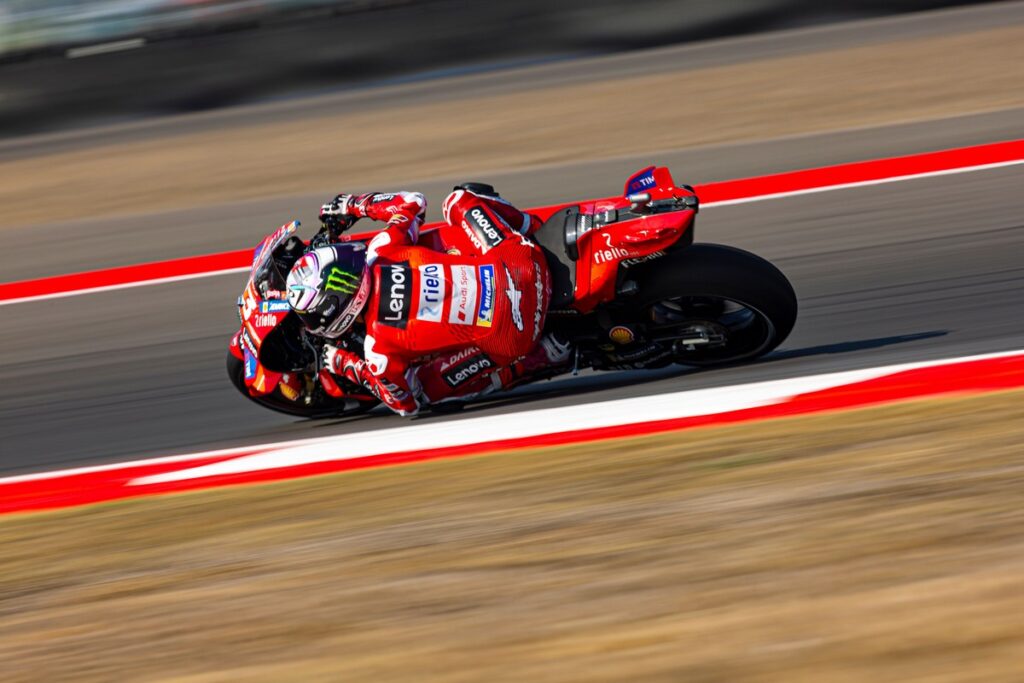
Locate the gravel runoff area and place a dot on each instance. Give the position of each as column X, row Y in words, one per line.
column 470, row 135
column 884, row 544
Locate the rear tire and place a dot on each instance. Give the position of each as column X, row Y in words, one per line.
column 755, row 303
column 321, row 407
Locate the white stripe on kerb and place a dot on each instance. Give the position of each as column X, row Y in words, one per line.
column 796, row 385
column 533, row 423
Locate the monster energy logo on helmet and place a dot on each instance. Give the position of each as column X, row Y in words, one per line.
column 339, row 280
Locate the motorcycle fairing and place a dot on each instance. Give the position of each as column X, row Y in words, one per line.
column 261, row 313
column 265, row 248
column 651, row 179
column 604, row 249
column 264, row 271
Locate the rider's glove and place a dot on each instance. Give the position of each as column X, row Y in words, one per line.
column 341, row 205
column 340, row 213
column 343, row 363
column 345, row 208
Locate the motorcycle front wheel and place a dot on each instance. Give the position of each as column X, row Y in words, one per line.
column 321, row 406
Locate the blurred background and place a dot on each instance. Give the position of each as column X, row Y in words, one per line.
column 63, row 61
column 37, row 25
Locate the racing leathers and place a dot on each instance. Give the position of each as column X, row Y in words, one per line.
column 456, row 324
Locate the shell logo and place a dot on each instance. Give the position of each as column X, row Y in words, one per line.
column 621, row 335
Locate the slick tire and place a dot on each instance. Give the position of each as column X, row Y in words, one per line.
column 720, row 272
column 323, row 406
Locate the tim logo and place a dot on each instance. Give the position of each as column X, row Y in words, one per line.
column 339, row 280
column 642, row 181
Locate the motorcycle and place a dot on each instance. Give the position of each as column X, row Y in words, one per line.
column 630, row 288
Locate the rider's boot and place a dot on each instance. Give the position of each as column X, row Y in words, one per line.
column 551, row 356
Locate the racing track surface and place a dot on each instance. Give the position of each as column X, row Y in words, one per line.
column 914, row 270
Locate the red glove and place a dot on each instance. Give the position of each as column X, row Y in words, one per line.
column 353, row 368
column 344, row 364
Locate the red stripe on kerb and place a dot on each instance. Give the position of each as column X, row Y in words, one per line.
column 80, row 489
column 73, row 490
column 191, row 265
column 863, row 171
column 842, row 174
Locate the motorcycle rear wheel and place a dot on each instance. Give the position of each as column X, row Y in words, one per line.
column 321, row 407
column 733, row 306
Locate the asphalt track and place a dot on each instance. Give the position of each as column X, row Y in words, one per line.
column 915, row 270
column 922, row 269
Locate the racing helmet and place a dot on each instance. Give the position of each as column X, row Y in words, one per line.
column 328, row 287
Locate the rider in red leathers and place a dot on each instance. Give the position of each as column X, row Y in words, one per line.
column 438, row 325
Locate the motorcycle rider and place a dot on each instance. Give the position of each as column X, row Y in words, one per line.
column 438, row 325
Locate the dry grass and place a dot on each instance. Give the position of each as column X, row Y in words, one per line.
column 909, row 80
column 883, row 545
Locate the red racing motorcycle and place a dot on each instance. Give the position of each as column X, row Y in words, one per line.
column 629, row 288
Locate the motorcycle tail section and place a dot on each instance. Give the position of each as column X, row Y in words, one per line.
column 651, row 179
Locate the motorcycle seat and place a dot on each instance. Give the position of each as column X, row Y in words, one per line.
column 553, row 238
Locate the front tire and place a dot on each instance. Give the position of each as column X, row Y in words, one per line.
column 717, row 305
column 322, row 405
